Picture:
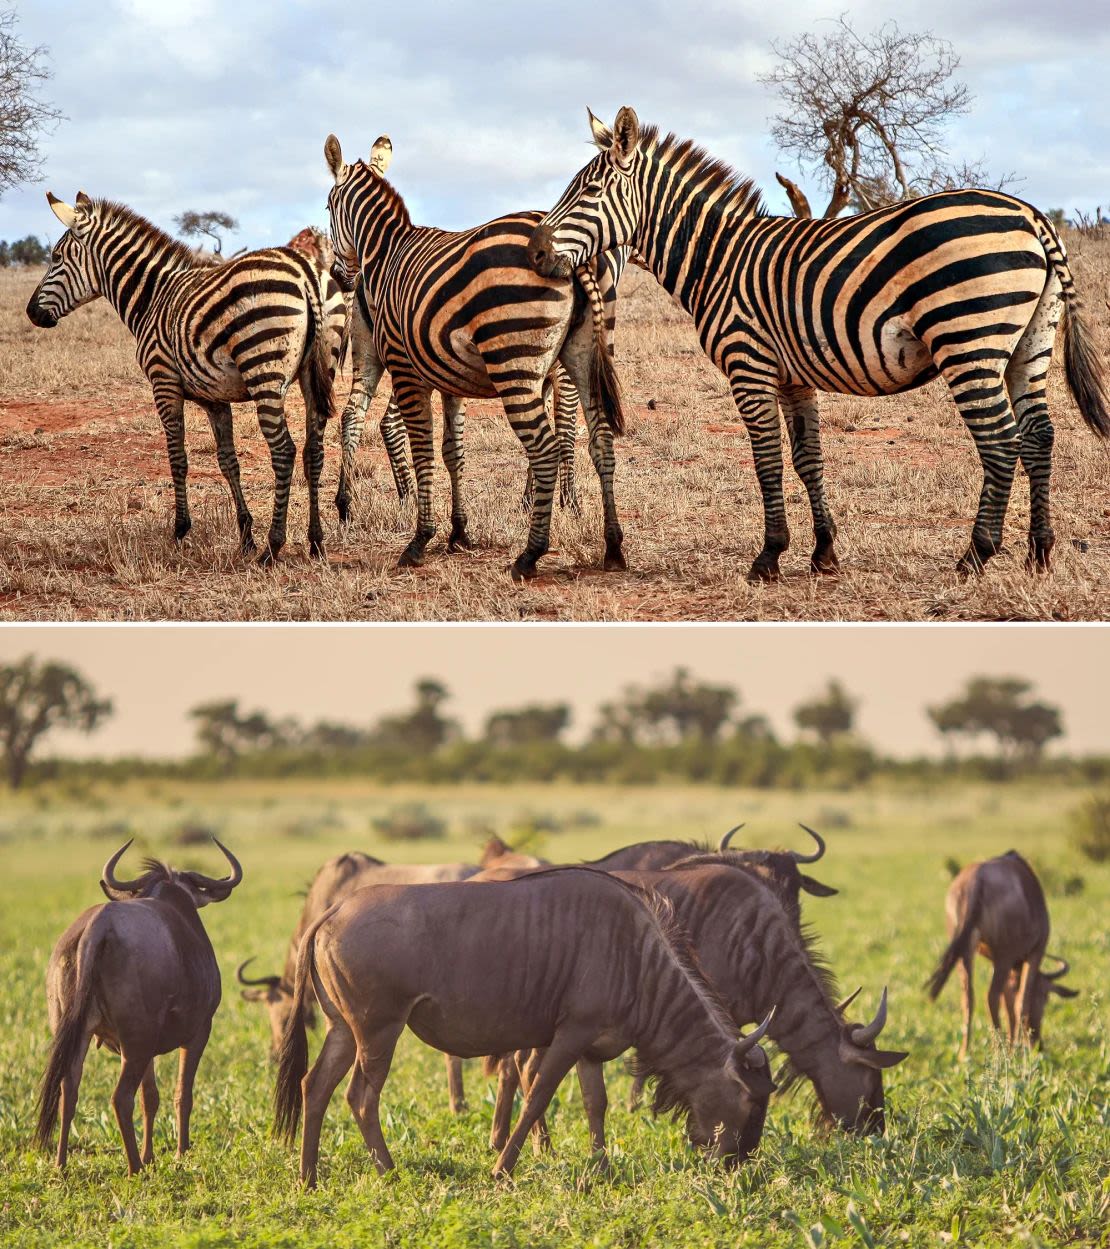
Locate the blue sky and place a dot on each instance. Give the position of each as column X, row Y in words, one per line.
column 180, row 104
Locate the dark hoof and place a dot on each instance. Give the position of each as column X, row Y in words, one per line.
column 764, row 570
column 524, row 568
column 824, row 565
column 316, row 549
column 411, row 558
column 181, row 529
column 268, row 558
column 614, row 561
column 1039, row 557
column 343, row 507
column 459, row 540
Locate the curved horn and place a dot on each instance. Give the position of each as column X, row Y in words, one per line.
column 722, row 845
column 228, row 881
column 1060, row 972
column 746, row 1046
column 867, row 1034
column 108, row 875
column 841, row 1007
column 798, row 857
column 271, row 982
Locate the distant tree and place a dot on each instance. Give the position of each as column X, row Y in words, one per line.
column 27, row 251
column 1057, row 217
column 211, row 225
column 999, row 707
column 327, row 736
column 36, row 698
column 678, row 709
column 226, row 734
column 424, row 728
column 830, row 715
column 867, row 113
column 24, row 117
column 533, row 723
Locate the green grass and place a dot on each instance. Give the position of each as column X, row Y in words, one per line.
column 1002, row 1149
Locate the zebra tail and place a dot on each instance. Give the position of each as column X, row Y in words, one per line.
column 320, row 371
column 70, row 1036
column 1082, row 366
column 958, row 947
column 605, row 387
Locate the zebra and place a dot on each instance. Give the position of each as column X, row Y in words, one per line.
column 969, row 285
column 215, row 334
column 465, row 313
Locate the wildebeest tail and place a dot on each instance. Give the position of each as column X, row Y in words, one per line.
column 1083, row 367
column 958, row 947
column 293, row 1054
column 71, row 1037
column 605, row 386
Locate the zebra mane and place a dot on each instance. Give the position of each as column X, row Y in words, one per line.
column 738, row 194
column 391, row 195
column 119, row 215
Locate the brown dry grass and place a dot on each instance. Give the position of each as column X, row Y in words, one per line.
column 86, row 503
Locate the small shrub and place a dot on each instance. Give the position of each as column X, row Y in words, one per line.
column 194, row 833
column 1091, row 828
column 834, row 817
column 112, row 830
column 413, row 822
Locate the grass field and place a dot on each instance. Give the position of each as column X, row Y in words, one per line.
column 85, row 527
column 1002, row 1150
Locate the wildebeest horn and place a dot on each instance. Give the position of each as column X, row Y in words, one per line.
column 227, row 881
column 866, row 1034
column 108, row 875
column 798, row 857
column 1060, row 972
column 271, row 982
column 722, row 845
column 746, row 1047
column 841, row 1007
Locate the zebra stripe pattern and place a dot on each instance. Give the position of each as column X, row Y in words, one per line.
column 466, row 314
column 970, row 285
column 214, row 334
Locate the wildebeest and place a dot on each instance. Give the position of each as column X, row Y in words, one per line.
column 998, row 907
column 137, row 972
column 588, row 967
column 755, row 958
column 336, row 880
column 499, row 854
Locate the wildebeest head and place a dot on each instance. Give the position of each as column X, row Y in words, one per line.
column 277, row 995
column 158, row 877
column 859, row 1104
column 1046, row 982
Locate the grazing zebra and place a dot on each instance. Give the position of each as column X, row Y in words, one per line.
column 213, row 334
column 970, row 285
column 466, row 314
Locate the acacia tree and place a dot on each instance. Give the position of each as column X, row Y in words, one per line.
column 24, row 117
column 867, row 113
column 223, row 732
column 36, row 698
column 677, row 709
column 1000, row 707
column 831, row 714
column 211, row 225
column 424, row 728
column 534, row 723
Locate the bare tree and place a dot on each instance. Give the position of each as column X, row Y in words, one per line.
column 23, row 116
column 867, row 113
column 211, row 224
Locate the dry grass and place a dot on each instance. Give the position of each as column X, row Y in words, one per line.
column 85, row 526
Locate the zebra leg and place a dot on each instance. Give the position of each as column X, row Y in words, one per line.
column 799, row 408
column 529, row 422
column 1026, row 382
column 566, row 419
column 454, row 414
column 171, row 412
column 283, row 455
column 415, row 402
column 529, row 495
column 219, row 417
column 980, row 395
column 392, row 430
column 312, row 457
column 366, row 373
column 758, row 409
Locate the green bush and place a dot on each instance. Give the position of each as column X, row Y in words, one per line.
column 1091, row 828
column 413, row 822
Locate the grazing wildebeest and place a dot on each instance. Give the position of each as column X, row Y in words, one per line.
column 499, row 854
column 138, row 973
column 998, row 907
column 754, row 957
column 336, row 880
column 588, row 967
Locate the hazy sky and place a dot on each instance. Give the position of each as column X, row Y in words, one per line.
column 355, row 673
column 197, row 104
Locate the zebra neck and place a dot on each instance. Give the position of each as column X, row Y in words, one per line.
column 133, row 277
column 376, row 251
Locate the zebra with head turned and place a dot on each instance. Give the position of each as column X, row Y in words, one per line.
column 464, row 313
column 970, row 285
column 212, row 334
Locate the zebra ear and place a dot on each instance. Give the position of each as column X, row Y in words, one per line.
column 603, row 136
column 381, row 154
column 65, row 213
column 626, row 138
column 333, row 154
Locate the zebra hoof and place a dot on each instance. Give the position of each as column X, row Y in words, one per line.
column 268, row 558
column 459, row 540
column 316, row 549
column 410, row 558
column 343, row 507
column 764, row 571
column 824, row 565
column 614, row 561
column 181, row 529
column 524, row 567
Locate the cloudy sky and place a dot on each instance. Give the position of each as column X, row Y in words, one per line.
column 199, row 104
column 355, row 674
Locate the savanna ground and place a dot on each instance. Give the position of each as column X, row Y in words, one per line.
column 86, row 506
column 1001, row 1150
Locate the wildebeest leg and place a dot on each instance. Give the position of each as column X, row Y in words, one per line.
column 123, row 1104
column 967, row 980
column 591, row 1081
column 150, row 1109
column 999, row 977
column 528, row 1063
column 557, row 1061
column 375, row 1053
column 508, row 1081
column 1009, row 997
column 331, row 1065
column 636, row 1096
column 186, row 1074
column 1029, row 973
column 71, row 1082
column 456, row 1096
